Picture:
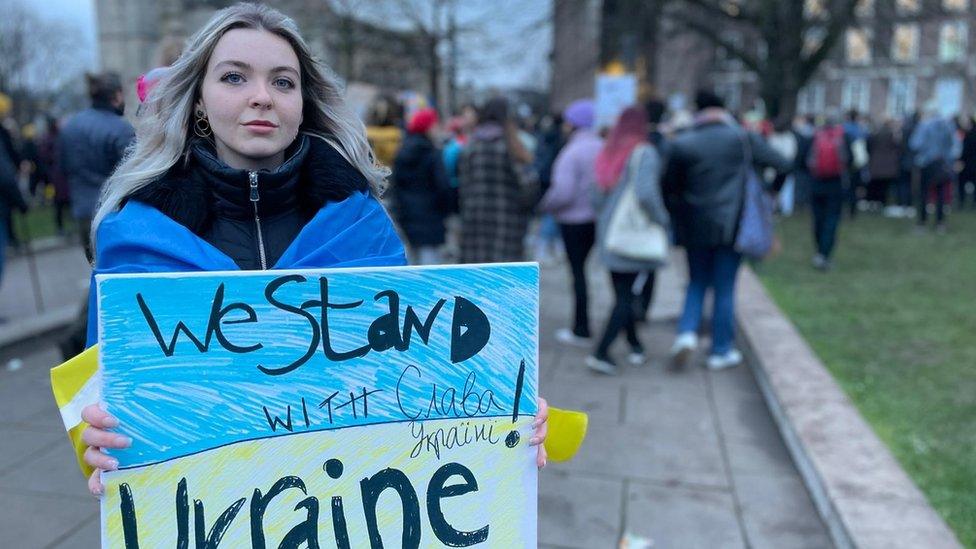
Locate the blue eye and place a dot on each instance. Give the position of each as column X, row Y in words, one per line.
column 284, row 83
column 232, row 78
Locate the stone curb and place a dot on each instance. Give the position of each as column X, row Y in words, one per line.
column 863, row 495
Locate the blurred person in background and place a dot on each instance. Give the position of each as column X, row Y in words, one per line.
column 8, row 142
column 783, row 141
column 705, row 175
column 884, row 148
column 830, row 166
column 967, row 176
column 803, row 129
column 497, row 191
column 29, row 161
column 569, row 199
column 10, row 196
column 644, row 286
column 549, row 141
column 384, row 130
column 933, row 145
column 627, row 160
column 92, row 143
column 907, row 172
column 50, row 159
column 857, row 139
column 421, row 192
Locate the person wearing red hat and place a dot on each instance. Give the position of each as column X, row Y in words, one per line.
column 421, row 194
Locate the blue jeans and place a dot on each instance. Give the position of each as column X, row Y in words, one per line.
column 715, row 268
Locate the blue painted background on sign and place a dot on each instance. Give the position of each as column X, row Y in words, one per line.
column 192, row 401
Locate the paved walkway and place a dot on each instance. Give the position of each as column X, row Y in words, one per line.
column 687, row 460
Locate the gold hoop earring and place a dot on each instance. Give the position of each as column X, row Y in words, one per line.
column 201, row 126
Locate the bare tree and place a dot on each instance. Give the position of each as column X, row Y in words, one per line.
column 38, row 58
column 785, row 40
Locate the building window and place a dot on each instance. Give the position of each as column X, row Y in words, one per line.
column 865, row 8
column 812, row 38
column 908, row 6
column 952, row 41
column 814, row 8
column 856, row 94
column 904, row 43
column 812, row 99
column 858, row 46
column 955, row 5
column 901, row 96
column 948, row 94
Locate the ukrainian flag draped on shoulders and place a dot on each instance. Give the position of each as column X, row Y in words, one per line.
column 354, row 232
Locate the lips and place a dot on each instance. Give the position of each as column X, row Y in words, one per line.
column 261, row 124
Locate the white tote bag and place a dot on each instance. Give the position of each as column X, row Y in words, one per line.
column 631, row 233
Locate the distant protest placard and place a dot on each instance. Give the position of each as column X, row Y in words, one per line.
column 372, row 407
column 614, row 93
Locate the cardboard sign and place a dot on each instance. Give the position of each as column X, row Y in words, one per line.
column 614, row 93
column 328, row 408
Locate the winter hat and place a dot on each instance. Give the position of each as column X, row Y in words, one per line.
column 580, row 113
column 148, row 81
column 422, row 121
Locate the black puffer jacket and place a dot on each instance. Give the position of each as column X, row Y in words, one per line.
column 421, row 191
column 703, row 184
column 218, row 203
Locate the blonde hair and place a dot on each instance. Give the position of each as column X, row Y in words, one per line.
column 164, row 130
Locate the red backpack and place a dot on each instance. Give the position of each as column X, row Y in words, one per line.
column 826, row 157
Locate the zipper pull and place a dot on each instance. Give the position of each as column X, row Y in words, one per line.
column 253, row 177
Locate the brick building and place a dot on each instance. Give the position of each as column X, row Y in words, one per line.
column 897, row 56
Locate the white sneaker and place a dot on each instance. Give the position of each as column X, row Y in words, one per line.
column 601, row 366
column 636, row 359
column 566, row 336
column 730, row 359
column 684, row 346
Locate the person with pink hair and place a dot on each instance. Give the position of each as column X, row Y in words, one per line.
column 627, row 159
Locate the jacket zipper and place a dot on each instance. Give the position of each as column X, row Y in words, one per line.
column 253, row 177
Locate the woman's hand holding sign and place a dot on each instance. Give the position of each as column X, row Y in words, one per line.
column 541, row 426
column 98, row 436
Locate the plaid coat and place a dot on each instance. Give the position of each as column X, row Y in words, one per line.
column 493, row 215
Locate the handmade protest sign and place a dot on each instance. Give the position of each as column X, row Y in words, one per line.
column 322, row 408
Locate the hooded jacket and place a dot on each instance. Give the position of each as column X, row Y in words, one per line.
column 313, row 211
column 421, row 191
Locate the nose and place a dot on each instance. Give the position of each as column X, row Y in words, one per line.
column 261, row 99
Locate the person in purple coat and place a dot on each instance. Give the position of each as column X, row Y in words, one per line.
column 569, row 200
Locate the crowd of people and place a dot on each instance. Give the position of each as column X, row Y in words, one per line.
column 487, row 186
column 65, row 165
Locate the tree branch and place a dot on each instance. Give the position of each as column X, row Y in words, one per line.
column 711, row 33
column 842, row 13
column 734, row 12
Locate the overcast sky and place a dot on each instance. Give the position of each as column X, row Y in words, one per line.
column 505, row 51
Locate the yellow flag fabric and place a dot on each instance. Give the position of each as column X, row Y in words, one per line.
column 76, row 384
column 567, row 429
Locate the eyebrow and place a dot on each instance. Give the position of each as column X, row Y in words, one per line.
column 245, row 66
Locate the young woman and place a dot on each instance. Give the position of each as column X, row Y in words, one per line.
column 246, row 158
column 570, row 200
column 615, row 171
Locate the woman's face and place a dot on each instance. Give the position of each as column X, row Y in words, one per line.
column 252, row 97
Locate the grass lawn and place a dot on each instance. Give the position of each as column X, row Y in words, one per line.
column 40, row 222
column 895, row 322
